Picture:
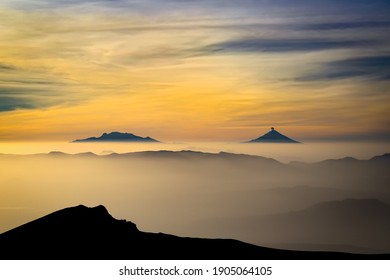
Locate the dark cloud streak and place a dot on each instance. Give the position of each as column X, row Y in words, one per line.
column 32, row 94
column 16, row 98
column 248, row 45
column 5, row 67
column 343, row 25
column 373, row 67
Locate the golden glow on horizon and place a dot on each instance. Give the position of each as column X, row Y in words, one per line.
column 83, row 75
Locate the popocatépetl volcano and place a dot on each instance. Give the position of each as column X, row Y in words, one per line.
column 273, row 136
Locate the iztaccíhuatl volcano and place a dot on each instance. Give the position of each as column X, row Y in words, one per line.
column 273, row 136
column 117, row 137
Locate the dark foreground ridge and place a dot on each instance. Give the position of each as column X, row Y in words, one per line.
column 273, row 136
column 117, row 137
column 92, row 233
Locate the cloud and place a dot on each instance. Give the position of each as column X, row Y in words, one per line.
column 372, row 67
column 343, row 25
column 58, row 3
column 13, row 98
column 230, row 8
column 6, row 67
column 16, row 93
column 16, row 98
column 30, row 88
column 249, row 45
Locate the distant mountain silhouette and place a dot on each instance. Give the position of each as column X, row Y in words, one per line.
column 273, row 136
column 195, row 155
column 117, row 137
column 194, row 158
column 92, row 233
column 382, row 158
column 363, row 223
column 346, row 173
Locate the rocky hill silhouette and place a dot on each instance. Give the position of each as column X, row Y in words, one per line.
column 259, row 200
column 92, row 233
column 273, row 136
column 117, row 137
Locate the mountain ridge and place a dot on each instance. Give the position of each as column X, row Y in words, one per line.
column 117, row 137
column 379, row 158
column 362, row 223
column 81, row 232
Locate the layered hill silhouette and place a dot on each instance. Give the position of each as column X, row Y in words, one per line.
column 359, row 223
column 273, row 136
column 117, row 137
column 227, row 168
column 92, row 233
column 221, row 195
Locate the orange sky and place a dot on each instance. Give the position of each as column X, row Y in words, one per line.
column 192, row 73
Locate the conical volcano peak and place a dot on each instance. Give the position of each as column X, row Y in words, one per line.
column 273, row 136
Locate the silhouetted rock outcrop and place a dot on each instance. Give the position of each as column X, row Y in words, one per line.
column 117, row 137
column 273, row 136
column 91, row 233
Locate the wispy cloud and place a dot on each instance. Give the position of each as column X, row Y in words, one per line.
column 343, row 25
column 372, row 68
column 31, row 97
column 25, row 89
column 6, row 68
column 285, row 45
column 196, row 62
column 20, row 98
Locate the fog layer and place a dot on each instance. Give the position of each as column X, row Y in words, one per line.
column 251, row 198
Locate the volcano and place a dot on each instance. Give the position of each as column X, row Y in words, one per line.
column 273, row 136
column 117, row 137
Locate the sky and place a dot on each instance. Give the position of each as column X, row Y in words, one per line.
column 186, row 70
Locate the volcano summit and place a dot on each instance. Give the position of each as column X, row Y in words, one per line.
column 273, row 136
